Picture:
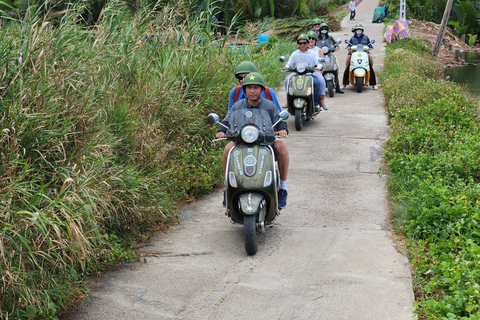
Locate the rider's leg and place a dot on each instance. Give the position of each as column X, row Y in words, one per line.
column 281, row 153
column 321, row 79
column 316, row 89
column 283, row 158
column 345, row 73
column 373, row 79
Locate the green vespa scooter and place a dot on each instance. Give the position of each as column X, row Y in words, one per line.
column 252, row 175
column 300, row 93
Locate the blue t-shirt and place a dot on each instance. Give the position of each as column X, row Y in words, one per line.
column 242, row 95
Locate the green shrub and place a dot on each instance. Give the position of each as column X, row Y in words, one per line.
column 433, row 160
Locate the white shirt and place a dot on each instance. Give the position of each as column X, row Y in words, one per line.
column 352, row 5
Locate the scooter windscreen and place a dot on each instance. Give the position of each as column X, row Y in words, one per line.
column 245, row 121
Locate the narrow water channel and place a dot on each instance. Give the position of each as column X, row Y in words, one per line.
column 468, row 75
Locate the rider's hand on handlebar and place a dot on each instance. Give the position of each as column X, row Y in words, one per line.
column 281, row 133
column 286, row 68
column 220, row 135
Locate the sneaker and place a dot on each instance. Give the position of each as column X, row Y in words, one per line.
column 282, row 198
column 338, row 90
column 325, row 107
column 317, row 108
column 375, row 87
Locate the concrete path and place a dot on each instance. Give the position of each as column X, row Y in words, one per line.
column 329, row 255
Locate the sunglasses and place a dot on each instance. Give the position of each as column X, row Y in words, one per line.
column 310, row 38
column 316, row 24
column 300, row 43
column 240, row 77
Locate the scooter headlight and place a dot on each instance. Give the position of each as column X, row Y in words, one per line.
column 301, row 68
column 250, row 134
column 325, row 50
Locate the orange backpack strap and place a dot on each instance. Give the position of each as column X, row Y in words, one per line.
column 236, row 93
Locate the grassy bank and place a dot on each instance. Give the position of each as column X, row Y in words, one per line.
column 433, row 160
column 102, row 134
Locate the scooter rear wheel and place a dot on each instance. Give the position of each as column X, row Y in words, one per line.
column 250, row 230
column 299, row 119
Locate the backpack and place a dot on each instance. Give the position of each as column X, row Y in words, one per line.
column 236, row 93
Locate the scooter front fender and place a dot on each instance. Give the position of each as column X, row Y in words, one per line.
column 329, row 76
column 359, row 72
column 251, row 203
column 299, row 103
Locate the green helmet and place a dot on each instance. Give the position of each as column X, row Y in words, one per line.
column 245, row 67
column 312, row 34
column 357, row 26
column 254, row 78
column 303, row 36
column 316, row 21
column 323, row 25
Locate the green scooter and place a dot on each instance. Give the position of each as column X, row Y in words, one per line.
column 251, row 174
column 300, row 93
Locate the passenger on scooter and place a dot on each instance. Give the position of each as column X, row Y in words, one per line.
column 359, row 37
column 254, row 85
column 317, row 53
column 316, row 26
column 303, row 55
column 321, row 38
column 237, row 93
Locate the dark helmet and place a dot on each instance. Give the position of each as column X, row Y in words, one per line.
column 303, row 36
column 254, row 78
column 316, row 21
column 357, row 26
column 245, row 67
column 312, row 34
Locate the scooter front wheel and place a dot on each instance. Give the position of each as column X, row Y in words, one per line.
column 250, row 230
column 331, row 92
column 360, row 84
column 298, row 119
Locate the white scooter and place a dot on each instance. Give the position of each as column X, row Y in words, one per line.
column 359, row 70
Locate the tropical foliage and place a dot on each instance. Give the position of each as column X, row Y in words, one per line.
column 102, row 133
column 464, row 17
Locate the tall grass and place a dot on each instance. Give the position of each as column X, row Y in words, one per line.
column 102, row 133
column 433, row 160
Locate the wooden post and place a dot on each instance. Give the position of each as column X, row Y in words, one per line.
column 441, row 32
column 450, row 47
column 457, row 53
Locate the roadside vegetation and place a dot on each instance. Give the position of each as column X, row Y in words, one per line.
column 102, row 134
column 433, row 161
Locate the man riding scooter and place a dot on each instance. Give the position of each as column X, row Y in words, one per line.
column 359, row 38
column 325, row 39
column 254, row 85
column 303, row 55
column 237, row 93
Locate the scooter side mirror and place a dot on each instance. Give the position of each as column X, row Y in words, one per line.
column 282, row 59
column 339, row 41
column 322, row 60
column 346, row 41
column 284, row 115
column 213, row 118
column 372, row 42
